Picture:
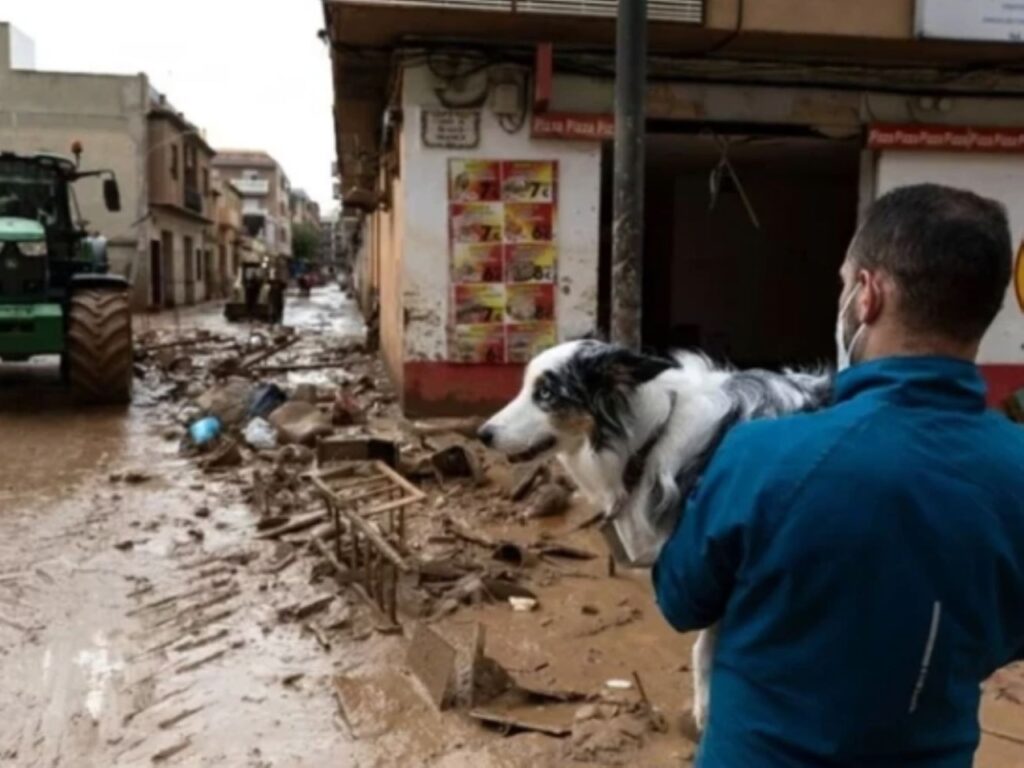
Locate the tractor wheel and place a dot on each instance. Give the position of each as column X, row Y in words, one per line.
column 99, row 356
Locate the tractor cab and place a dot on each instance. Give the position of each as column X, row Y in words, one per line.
column 42, row 244
column 56, row 297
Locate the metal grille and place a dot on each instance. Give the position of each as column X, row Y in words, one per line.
column 685, row 11
column 688, row 11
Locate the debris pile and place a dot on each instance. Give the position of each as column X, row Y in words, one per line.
column 415, row 521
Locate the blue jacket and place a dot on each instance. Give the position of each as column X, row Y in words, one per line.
column 867, row 566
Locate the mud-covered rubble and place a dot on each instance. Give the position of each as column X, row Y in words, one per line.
column 506, row 547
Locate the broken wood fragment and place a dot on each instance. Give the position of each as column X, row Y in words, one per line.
column 170, row 722
column 553, row 499
column 167, row 753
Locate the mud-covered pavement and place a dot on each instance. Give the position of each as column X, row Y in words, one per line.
column 141, row 620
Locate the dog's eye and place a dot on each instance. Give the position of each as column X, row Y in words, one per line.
column 544, row 392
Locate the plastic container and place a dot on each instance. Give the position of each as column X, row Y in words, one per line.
column 205, row 430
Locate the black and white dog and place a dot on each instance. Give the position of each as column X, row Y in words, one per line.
column 635, row 432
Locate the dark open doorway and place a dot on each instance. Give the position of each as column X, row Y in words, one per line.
column 156, row 277
column 755, row 295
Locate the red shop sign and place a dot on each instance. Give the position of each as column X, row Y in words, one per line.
column 946, row 138
column 573, row 125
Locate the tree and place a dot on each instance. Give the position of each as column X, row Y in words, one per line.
column 305, row 242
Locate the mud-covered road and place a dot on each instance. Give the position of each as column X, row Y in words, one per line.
column 140, row 625
column 125, row 637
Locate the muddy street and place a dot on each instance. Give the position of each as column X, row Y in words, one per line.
column 156, row 610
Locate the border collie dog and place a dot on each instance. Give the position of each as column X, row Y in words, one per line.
column 635, row 432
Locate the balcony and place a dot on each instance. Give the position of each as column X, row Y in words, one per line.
column 687, row 11
column 193, row 200
column 252, row 187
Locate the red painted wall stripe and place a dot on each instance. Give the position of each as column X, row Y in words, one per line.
column 451, row 389
column 1003, row 381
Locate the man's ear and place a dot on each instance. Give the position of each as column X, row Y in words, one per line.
column 873, row 295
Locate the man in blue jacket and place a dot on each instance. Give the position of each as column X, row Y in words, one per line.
column 865, row 564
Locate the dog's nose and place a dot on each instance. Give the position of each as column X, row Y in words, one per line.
column 486, row 435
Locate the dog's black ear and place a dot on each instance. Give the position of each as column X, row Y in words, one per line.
column 627, row 368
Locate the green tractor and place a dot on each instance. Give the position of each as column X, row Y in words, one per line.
column 56, row 296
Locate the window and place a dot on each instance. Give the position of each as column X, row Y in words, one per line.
column 199, row 264
column 206, row 181
column 174, row 161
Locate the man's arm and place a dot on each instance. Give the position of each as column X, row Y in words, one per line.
column 696, row 569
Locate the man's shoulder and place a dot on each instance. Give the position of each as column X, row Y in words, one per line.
column 780, row 439
column 777, row 454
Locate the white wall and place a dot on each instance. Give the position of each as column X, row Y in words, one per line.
column 425, row 288
column 992, row 175
column 23, row 50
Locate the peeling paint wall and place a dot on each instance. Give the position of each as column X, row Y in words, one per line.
column 391, row 260
column 425, row 272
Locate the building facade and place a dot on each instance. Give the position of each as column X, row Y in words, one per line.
column 483, row 169
column 183, row 246
column 266, row 191
column 304, row 210
column 231, row 236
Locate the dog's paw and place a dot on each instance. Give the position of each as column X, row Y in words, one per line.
column 700, row 716
column 701, row 709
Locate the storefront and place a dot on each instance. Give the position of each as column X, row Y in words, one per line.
column 483, row 169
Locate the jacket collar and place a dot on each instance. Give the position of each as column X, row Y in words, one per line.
column 943, row 382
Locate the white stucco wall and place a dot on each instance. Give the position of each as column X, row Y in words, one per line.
column 996, row 176
column 425, row 285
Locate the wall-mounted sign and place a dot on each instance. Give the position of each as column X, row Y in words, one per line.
column 989, row 20
column 569, row 125
column 504, row 259
column 946, row 138
column 450, row 129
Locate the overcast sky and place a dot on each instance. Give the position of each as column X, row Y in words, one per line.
column 252, row 73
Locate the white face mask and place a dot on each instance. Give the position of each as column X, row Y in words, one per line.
column 844, row 351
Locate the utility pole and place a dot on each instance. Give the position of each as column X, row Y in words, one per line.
column 628, row 209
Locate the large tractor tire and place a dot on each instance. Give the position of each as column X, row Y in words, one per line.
column 99, row 347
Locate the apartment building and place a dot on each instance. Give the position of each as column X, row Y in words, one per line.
column 304, row 209
column 484, row 169
column 182, row 269
column 266, row 193
column 231, row 236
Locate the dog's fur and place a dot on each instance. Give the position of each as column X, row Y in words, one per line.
column 635, row 432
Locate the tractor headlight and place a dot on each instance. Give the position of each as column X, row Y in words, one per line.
column 36, row 248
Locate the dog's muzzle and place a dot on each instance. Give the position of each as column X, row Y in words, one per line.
column 538, row 449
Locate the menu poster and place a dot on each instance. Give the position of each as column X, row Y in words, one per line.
column 503, row 257
column 477, row 263
column 479, row 344
column 526, row 340
column 474, row 181
column 530, row 263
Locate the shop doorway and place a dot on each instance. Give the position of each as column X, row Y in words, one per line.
column 752, row 281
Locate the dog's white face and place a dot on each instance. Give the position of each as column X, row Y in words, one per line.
column 530, row 424
column 576, row 393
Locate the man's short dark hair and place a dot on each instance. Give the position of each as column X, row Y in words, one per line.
column 949, row 252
